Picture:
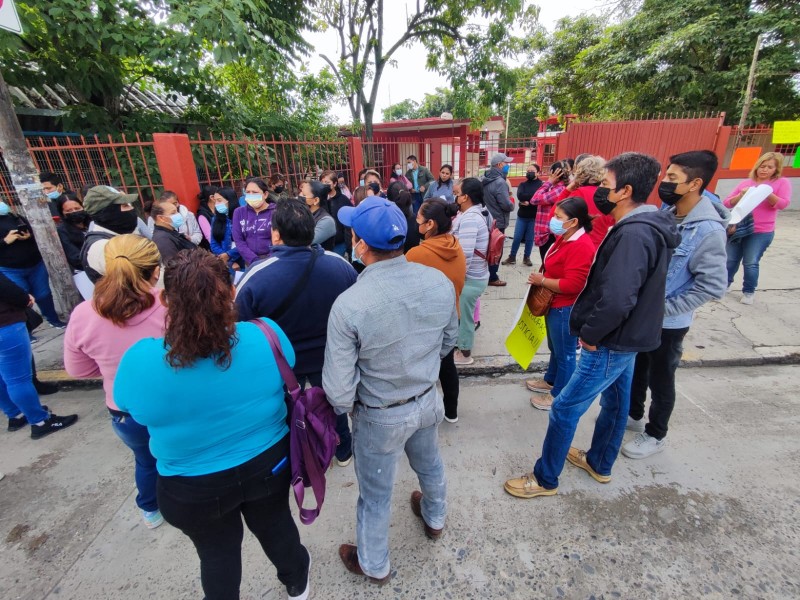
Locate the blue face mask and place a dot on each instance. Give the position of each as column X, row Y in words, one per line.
column 221, row 208
column 254, row 200
column 505, row 169
column 53, row 195
column 4, row 209
column 557, row 227
column 177, row 220
column 356, row 258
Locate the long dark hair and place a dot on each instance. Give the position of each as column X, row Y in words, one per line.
column 575, row 208
column 398, row 194
column 440, row 212
column 449, row 181
column 219, row 226
column 473, row 189
column 201, row 316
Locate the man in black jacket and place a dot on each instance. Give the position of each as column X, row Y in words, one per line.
column 168, row 221
column 618, row 314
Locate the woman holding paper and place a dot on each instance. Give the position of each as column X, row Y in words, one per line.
column 566, row 267
column 750, row 248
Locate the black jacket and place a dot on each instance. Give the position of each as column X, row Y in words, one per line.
column 22, row 254
column 13, row 302
column 525, row 192
column 170, row 242
column 622, row 305
column 333, row 206
column 72, row 239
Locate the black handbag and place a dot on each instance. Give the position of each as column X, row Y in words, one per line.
column 32, row 319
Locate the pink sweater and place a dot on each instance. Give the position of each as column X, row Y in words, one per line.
column 764, row 214
column 94, row 346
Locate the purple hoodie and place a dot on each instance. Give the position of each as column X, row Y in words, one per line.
column 253, row 232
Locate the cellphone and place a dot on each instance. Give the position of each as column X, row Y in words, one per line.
column 23, row 229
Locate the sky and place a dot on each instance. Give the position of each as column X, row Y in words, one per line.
column 409, row 79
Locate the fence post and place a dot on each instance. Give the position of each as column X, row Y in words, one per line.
column 355, row 155
column 176, row 165
column 720, row 149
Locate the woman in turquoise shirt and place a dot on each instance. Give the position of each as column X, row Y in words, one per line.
column 214, row 407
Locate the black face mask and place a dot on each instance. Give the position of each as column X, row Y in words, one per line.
column 376, row 189
column 531, row 176
column 667, row 193
column 278, row 189
column 76, row 218
column 601, row 201
column 114, row 218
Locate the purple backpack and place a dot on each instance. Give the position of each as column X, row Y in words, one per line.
column 312, row 432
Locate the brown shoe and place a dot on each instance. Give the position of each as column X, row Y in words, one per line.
column 542, row 401
column 578, row 458
column 527, row 487
column 416, row 508
column 509, row 261
column 349, row 555
column 538, row 385
column 497, row 283
column 527, row 262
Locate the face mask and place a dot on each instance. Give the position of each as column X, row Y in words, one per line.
column 254, row 200
column 421, row 232
column 410, row 166
column 325, row 190
column 177, row 220
column 557, row 227
column 117, row 220
column 356, row 258
column 398, row 172
column 505, row 169
column 361, row 182
column 53, row 195
column 530, row 176
column 376, row 189
column 221, row 208
column 601, row 201
column 79, row 216
column 279, row 189
column 667, row 193
column 4, row 209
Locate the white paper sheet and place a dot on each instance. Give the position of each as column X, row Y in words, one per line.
column 752, row 198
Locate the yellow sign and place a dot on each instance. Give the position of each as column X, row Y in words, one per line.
column 526, row 335
column 786, row 132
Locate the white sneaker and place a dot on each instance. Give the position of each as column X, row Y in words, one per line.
column 460, row 359
column 453, row 420
column 634, row 425
column 642, row 446
column 152, row 519
column 748, row 298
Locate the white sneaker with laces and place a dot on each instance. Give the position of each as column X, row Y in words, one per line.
column 748, row 299
column 643, row 445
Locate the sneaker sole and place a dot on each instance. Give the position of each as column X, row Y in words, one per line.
column 538, row 390
column 596, row 476
column 517, row 494
column 541, row 407
column 465, row 363
column 449, row 420
column 344, row 463
column 153, row 524
column 38, row 437
column 640, row 456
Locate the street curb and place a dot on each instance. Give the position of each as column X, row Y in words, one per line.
column 483, row 367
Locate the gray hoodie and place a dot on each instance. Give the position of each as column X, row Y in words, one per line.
column 496, row 196
column 697, row 272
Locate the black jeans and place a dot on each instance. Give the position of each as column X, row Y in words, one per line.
column 448, row 377
column 656, row 370
column 345, row 448
column 209, row 509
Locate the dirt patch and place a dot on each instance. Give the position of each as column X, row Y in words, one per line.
column 36, row 543
column 17, row 533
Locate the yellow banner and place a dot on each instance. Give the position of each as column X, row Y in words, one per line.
column 526, row 335
column 786, row 132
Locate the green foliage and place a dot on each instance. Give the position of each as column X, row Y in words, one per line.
column 692, row 55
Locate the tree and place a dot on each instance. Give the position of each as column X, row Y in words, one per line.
column 466, row 52
column 405, row 109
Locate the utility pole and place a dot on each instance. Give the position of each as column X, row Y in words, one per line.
column 25, row 179
column 508, row 119
column 751, row 82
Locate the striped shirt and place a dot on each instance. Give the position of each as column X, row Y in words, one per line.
column 472, row 230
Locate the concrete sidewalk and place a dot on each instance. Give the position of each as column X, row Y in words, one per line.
column 725, row 333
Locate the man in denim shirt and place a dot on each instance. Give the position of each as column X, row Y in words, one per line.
column 386, row 337
column 696, row 274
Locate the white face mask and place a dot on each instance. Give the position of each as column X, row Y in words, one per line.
column 410, row 166
column 398, row 172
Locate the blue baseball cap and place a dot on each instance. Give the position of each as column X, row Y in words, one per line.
column 377, row 221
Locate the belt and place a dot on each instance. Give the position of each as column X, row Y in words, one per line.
column 407, row 400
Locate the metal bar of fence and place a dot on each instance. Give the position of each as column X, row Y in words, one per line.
column 202, row 147
column 102, row 156
column 116, row 161
column 216, row 157
column 227, row 159
column 133, row 168
column 146, row 169
column 238, row 159
column 77, row 159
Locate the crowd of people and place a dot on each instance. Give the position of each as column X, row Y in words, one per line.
column 373, row 295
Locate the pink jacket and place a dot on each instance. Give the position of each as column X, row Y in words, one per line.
column 94, row 346
column 764, row 214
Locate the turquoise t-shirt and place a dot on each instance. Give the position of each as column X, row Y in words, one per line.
column 203, row 419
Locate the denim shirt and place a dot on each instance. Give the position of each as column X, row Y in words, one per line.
column 387, row 335
column 697, row 272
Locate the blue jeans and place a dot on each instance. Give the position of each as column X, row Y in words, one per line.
column 416, row 198
column 523, row 230
column 749, row 249
column 136, row 437
column 380, row 436
column 17, row 394
column 562, row 348
column 603, row 370
column 34, row 280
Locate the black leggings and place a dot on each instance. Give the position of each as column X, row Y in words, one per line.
column 209, row 509
column 448, row 376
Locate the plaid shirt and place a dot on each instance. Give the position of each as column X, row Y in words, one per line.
column 544, row 198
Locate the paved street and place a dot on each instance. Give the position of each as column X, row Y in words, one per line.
column 714, row 516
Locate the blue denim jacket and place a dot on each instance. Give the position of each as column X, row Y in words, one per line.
column 697, row 271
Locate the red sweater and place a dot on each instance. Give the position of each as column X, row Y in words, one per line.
column 601, row 224
column 569, row 261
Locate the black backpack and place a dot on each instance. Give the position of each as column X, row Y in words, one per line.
column 91, row 238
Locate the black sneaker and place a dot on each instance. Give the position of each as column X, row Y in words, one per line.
column 51, row 425
column 45, row 388
column 294, row 592
column 18, row 423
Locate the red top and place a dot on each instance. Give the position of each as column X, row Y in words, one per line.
column 569, row 261
column 601, row 224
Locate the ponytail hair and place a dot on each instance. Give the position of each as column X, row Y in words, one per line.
column 440, row 212
column 399, row 194
column 473, row 189
column 575, row 208
column 125, row 289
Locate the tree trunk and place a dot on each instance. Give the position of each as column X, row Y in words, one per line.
column 369, row 147
column 25, row 179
